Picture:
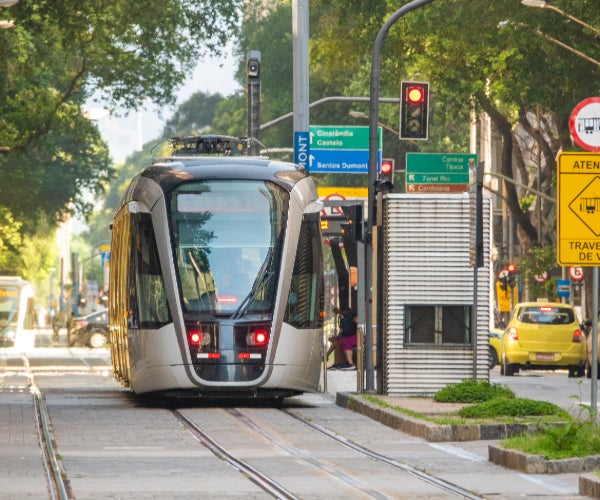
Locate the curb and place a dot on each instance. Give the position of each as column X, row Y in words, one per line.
column 589, row 486
column 428, row 430
column 538, row 464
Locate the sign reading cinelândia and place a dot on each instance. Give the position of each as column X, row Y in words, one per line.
column 578, row 198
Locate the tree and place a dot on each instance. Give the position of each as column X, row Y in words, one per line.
column 63, row 51
column 497, row 58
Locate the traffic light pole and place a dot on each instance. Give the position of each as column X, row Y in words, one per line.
column 371, row 221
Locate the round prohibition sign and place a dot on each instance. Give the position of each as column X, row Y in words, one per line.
column 334, row 210
column 584, row 124
column 576, row 273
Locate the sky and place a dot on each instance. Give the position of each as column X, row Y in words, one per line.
column 127, row 134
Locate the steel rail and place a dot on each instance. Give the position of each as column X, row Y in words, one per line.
column 264, row 482
column 54, row 476
column 436, row 481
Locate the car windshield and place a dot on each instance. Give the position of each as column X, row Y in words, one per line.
column 9, row 306
column 546, row 315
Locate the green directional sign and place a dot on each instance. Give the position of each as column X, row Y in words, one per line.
column 440, row 178
column 439, row 163
column 337, row 137
column 429, row 172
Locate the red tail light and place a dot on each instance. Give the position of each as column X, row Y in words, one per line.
column 197, row 336
column 257, row 337
column 513, row 334
column 578, row 337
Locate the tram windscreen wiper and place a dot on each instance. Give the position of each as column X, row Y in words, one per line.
column 259, row 285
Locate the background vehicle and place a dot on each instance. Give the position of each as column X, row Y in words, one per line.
column 588, row 327
column 543, row 336
column 90, row 330
column 495, row 335
column 216, row 282
column 17, row 312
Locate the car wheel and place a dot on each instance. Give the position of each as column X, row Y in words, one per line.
column 576, row 371
column 493, row 358
column 97, row 339
column 509, row 369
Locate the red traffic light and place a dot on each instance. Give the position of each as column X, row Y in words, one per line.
column 414, row 110
column 415, row 95
column 387, row 167
column 511, row 268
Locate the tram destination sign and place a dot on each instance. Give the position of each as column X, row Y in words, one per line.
column 438, row 172
column 341, row 149
column 578, row 200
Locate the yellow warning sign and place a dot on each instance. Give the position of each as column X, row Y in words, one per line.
column 578, row 198
column 504, row 302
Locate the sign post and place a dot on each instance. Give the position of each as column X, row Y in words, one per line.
column 578, row 196
column 578, row 226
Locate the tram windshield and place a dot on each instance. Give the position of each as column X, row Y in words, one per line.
column 227, row 243
column 9, row 306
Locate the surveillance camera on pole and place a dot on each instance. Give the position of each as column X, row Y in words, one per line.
column 253, row 79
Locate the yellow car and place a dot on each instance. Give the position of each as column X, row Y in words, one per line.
column 543, row 336
column 495, row 347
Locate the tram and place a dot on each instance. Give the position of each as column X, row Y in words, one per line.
column 17, row 312
column 216, row 282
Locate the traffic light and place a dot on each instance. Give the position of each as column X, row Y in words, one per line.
column 253, row 64
column 354, row 213
column 385, row 176
column 503, row 282
column 512, row 275
column 414, row 110
column 253, row 112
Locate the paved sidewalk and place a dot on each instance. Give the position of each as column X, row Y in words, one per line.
column 21, row 466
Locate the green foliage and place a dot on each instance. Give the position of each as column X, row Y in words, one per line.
column 573, row 439
column 513, row 407
column 536, row 262
column 57, row 55
column 472, row 391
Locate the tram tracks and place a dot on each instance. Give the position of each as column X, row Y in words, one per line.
column 328, row 468
column 57, row 487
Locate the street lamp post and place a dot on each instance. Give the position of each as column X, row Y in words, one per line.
column 542, row 4
column 551, row 39
column 364, row 116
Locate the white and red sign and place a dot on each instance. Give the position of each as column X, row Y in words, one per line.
column 576, row 273
column 584, row 124
column 541, row 278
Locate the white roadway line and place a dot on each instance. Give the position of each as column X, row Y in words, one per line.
column 118, row 448
column 551, row 482
column 458, row 452
column 540, row 479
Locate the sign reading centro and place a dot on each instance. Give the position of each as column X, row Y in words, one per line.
column 578, row 197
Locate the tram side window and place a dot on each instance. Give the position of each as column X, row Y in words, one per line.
column 305, row 299
column 437, row 324
column 149, row 300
